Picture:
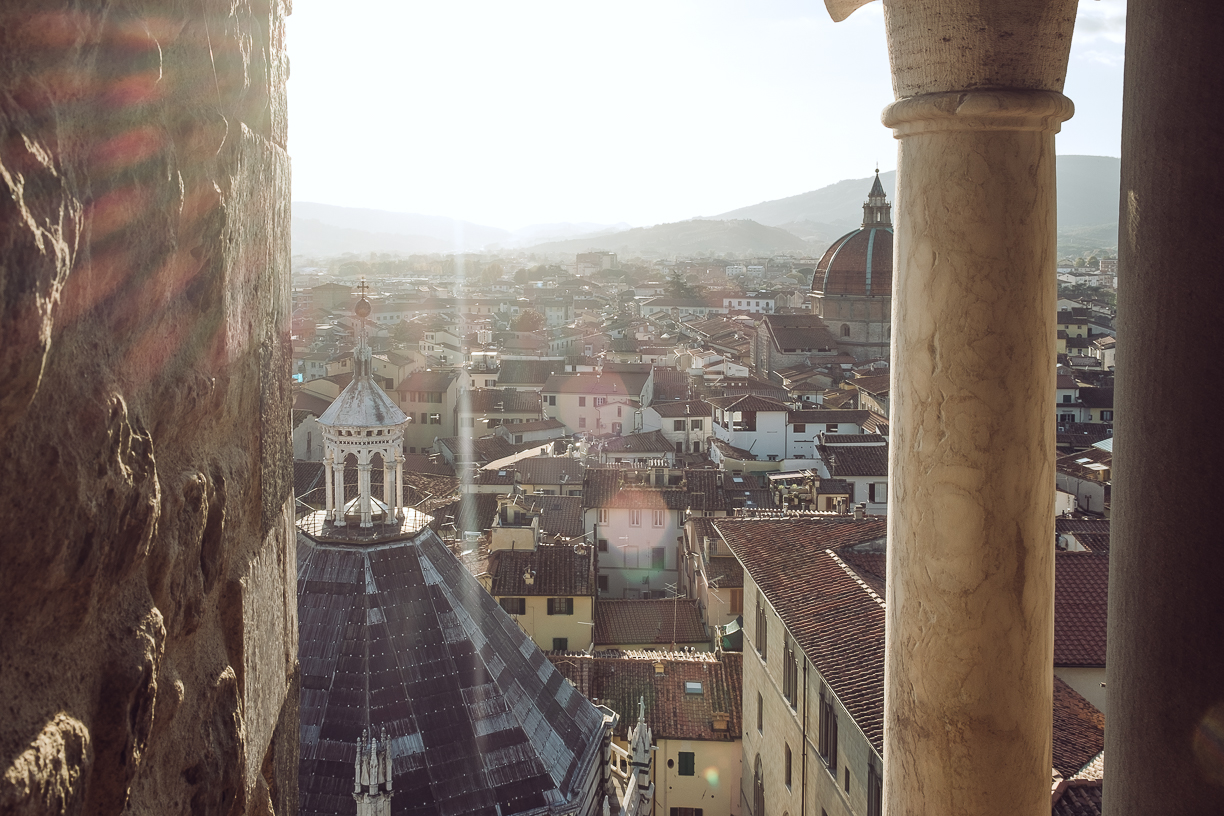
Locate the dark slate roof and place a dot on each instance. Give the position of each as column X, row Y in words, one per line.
column 618, row 680
column 1097, row 397
column 549, row 424
column 654, row 621
column 528, row 372
column 615, row 487
column 427, row 381
column 612, row 384
column 559, row 570
column 401, row 636
column 1081, row 593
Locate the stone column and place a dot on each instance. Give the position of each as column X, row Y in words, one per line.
column 388, row 485
column 399, row 485
column 338, row 475
column 363, row 490
column 329, row 488
column 1166, row 611
column 968, row 671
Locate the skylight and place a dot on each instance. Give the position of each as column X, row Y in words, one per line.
column 692, row 687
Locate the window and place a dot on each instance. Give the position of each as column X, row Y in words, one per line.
column 518, row 439
column 760, row 714
column 790, row 672
column 845, row 330
column 602, row 544
column 847, row 780
column 635, row 518
column 828, row 729
column 560, row 606
column 877, row 492
column 1107, row 416
column 581, row 422
column 657, row 517
column 875, row 790
column 560, row 644
column 603, row 516
column 601, row 401
column 657, row 558
column 582, row 402
column 685, row 812
column 737, row 600
column 1066, row 397
column 515, row 606
column 762, row 627
column 696, row 447
column 679, row 447
column 616, row 428
column 603, row 583
column 435, row 419
column 695, row 424
column 786, row 767
column 678, row 425
column 831, row 427
column 758, row 789
column 552, row 399
column 618, row 413
column 1066, row 417
column 800, row 427
column 686, row 763
column 424, row 417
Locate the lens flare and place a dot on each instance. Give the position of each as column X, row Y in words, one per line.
column 711, row 775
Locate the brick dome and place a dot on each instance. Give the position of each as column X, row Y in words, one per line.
column 860, row 262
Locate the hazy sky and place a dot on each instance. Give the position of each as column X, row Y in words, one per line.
column 511, row 113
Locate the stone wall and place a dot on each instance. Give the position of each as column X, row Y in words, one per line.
column 148, row 656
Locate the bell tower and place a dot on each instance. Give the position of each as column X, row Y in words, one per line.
column 877, row 212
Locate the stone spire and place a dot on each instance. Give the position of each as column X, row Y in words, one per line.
column 877, row 212
column 639, row 744
column 372, row 782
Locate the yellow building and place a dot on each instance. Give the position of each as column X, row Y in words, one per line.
column 692, row 705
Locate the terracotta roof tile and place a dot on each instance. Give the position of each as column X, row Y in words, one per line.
column 1081, row 591
column 1080, row 797
column 836, row 620
column 618, row 680
column 1079, row 730
column 559, row 570
column 855, row 460
column 658, row 621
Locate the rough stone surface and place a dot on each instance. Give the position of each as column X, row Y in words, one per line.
column 1165, row 667
column 148, row 662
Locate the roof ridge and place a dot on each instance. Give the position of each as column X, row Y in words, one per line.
column 855, row 576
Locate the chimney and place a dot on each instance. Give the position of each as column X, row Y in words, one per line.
column 860, row 511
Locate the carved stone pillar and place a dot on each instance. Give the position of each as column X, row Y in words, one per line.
column 971, row 567
column 399, row 485
column 363, row 491
column 338, row 475
column 329, row 487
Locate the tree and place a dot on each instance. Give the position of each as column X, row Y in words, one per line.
column 678, row 287
column 528, row 320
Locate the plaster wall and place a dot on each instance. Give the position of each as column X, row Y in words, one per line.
column 542, row 627
column 714, row 785
column 1089, row 682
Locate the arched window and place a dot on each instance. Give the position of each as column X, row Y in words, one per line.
column 758, row 789
column 845, row 330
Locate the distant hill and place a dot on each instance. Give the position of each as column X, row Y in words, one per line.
column 358, row 229
column 1087, row 205
column 686, row 237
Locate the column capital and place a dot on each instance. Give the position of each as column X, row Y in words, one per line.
column 980, row 110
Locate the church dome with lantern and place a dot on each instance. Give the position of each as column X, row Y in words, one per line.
column 852, row 285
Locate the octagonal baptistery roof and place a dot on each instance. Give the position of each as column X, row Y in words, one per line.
column 860, row 262
column 362, row 404
column 401, row 636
